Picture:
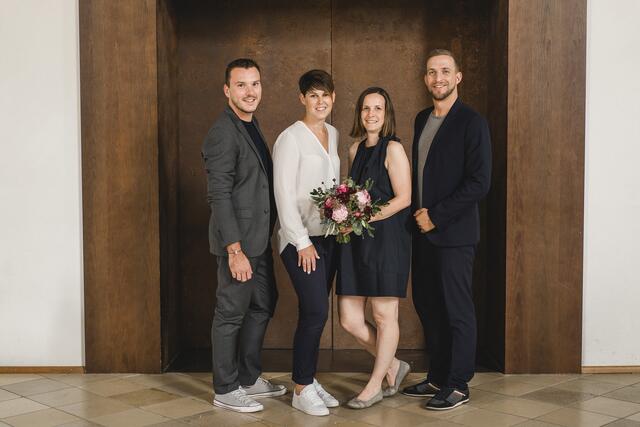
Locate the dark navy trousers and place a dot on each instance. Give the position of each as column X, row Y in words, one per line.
column 442, row 296
column 313, row 305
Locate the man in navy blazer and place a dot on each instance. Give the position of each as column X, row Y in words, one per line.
column 451, row 174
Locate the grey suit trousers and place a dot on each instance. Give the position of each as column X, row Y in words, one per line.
column 240, row 321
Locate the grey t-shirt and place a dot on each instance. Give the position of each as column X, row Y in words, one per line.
column 426, row 138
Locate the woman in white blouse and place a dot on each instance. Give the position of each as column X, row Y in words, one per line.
column 305, row 156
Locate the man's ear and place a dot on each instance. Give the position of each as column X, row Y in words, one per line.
column 301, row 97
column 459, row 77
column 225, row 89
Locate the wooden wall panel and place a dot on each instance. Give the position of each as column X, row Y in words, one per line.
column 120, row 185
column 286, row 39
column 168, row 178
column 545, row 185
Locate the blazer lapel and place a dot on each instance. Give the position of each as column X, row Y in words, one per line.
column 243, row 131
column 441, row 130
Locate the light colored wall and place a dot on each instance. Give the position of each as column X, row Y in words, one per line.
column 611, row 318
column 41, row 304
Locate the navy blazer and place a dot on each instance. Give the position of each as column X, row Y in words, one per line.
column 456, row 175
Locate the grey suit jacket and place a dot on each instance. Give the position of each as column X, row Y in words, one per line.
column 237, row 187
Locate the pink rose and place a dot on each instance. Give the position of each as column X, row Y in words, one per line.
column 363, row 198
column 342, row 188
column 340, row 214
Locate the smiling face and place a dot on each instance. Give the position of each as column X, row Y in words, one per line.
column 244, row 91
column 318, row 103
column 372, row 113
column 442, row 77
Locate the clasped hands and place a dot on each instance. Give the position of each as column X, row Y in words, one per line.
column 423, row 221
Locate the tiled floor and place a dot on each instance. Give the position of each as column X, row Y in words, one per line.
column 184, row 399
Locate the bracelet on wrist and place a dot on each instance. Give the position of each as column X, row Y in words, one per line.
column 235, row 251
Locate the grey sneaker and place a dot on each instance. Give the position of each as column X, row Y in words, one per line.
column 237, row 400
column 264, row 388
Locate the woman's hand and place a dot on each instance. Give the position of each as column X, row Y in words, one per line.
column 346, row 230
column 307, row 259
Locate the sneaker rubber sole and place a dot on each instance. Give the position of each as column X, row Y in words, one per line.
column 243, row 409
column 462, row 402
column 268, row 394
column 418, row 394
column 321, row 412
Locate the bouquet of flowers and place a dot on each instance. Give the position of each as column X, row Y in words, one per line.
column 346, row 205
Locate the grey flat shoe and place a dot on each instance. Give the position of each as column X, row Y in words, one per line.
column 403, row 371
column 362, row 404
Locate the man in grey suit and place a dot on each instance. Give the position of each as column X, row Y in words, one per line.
column 243, row 214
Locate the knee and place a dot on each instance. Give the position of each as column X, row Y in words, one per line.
column 314, row 318
column 352, row 324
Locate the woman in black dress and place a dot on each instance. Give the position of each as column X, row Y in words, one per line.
column 377, row 269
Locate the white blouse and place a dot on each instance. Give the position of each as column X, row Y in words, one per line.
column 300, row 164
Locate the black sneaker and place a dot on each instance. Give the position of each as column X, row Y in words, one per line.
column 423, row 389
column 448, row 398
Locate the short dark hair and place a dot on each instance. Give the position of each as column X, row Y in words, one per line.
column 389, row 125
column 439, row 52
column 239, row 63
column 316, row 79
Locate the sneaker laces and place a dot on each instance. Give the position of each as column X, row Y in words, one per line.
column 265, row 382
column 312, row 395
column 241, row 395
column 324, row 394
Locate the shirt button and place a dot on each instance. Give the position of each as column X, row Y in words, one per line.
column 266, row 211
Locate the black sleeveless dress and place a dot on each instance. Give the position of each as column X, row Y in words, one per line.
column 378, row 266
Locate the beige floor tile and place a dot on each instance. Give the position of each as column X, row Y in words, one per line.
column 170, row 423
column 179, row 408
column 82, row 379
column 186, row 387
column 624, row 379
column 10, row 408
column 155, row 381
column 536, row 423
column 130, row 418
column 509, row 386
column 486, row 418
column 7, row 395
column 44, row 418
column 380, row 415
column 4, row 425
column 545, row 380
column 397, row 401
column 557, row 396
column 624, row 423
column 95, row 407
column 275, row 406
column 145, row 397
column 520, row 407
column 219, row 418
column 42, row 385
column 607, row 406
column 80, row 423
column 478, row 397
column 585, row 385
column 6, row 379
column 635, row 417
column 630, row 394
column 571, row 417
column 112, row 387
column 484, row 377
column 63, row 397
column 208, row 377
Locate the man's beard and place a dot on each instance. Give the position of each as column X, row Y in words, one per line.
column 443, row 96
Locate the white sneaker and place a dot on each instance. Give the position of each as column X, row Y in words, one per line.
column 309, row 402
column 329, row 401
column 238, row 401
